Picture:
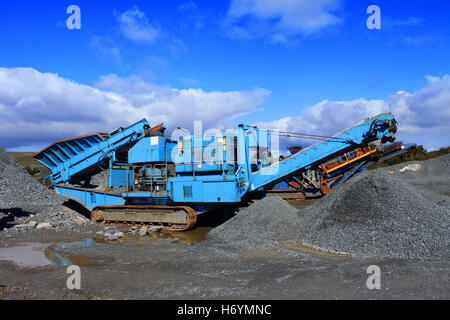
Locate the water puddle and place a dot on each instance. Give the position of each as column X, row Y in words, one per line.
column 60, row 257
column 195, row 235
column 26, row 254
column 38, row 254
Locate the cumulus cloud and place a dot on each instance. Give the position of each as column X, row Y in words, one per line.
column 135, row 26
column 423, row 116
column 38, row 108
column 279, row 21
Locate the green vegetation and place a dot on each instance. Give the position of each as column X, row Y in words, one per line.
column 33, row 167
column 417, row 154
column 32, row 170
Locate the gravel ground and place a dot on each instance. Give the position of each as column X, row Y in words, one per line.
column 25, row 203
column 374, row 214
column 138, row 268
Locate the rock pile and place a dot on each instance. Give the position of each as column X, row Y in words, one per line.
column 375, row 214
column 26, row 203
column 378, row 215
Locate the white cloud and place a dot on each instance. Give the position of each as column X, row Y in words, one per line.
column 419, row 40
column 187, row 6
column 423, row 116
column 105, row 49
column 280, row 21
column 392, row 22
column 135, row 26
column 38, row 108
column 192, row 15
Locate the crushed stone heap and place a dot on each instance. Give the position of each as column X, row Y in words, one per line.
column 375, row 214
column 24, row 199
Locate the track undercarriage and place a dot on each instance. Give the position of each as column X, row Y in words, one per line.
column 171, row 218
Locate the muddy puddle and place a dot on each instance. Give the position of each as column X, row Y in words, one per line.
column 59, row 254
column 196, row 235
column 26, row 254
column 39, row 254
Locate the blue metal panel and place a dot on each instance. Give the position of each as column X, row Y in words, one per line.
column 118, row 177
column 90, row 198
column 206, row 154
column 209, row 188
column 151, row 149
column 220, row 191
column 61, row 151
column 282, row 186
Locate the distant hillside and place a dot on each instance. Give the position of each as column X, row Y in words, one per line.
column 33, row 167
column 418, row 154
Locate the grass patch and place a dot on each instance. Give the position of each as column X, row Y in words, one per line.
column 418, row 154
column 33, row 167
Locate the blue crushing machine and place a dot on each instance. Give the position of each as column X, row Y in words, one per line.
column 157, row 180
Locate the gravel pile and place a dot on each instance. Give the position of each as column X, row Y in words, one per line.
column 429, row 169
column 97, row 181
column 372, row 215
column 431, row 174
column 378, row 215
column 257, row 226
column 18, row 189
column 26, row 203
column 100, row 179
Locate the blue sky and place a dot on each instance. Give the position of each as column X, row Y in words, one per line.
column 281, row 56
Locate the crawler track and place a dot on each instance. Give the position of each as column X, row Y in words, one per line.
column 171, row 218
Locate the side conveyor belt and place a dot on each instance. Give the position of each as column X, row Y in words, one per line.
column 382, row 126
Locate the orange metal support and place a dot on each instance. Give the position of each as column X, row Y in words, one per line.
column 348, row 158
